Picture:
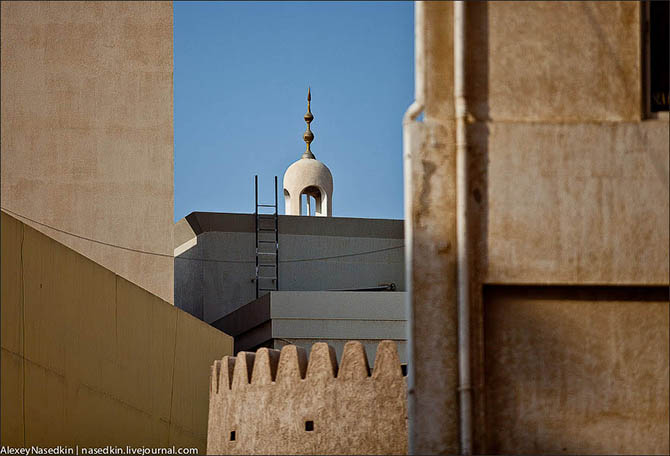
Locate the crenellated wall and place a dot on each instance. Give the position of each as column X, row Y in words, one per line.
column 273, row 402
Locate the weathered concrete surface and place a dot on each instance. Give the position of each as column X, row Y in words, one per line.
column 559, row 62
column 589, row 203
column 577, row 371
column 568, row 185
column 215, row 258
column 89, row 358
column 434, row 367
column 589, row 199
column 87, row 132
column 266, row 398
column 369, row 345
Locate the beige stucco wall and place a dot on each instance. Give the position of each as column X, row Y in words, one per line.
column 87, row 129
column 266, row 397
column 89, row 358
column 555, row 61
column 568, row 186
column 570, row 180
column 589, row 204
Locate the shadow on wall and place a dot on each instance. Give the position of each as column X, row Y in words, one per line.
column 477, row 90
column 579, row 370
column 212, row 268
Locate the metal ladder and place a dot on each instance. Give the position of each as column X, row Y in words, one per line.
column 267, row 235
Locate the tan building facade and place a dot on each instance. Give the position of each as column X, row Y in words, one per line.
column 93, row 351
column 280, row 403
column 560, row 230
column 87, row 130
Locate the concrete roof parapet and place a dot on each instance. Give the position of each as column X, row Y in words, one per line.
column 387, row 362
column 322, row 363
column 222, row 374
column 292, row 364
column 311, row 407
column 214, row 377
column 354, row 364
column 244, row 363
column 265, row 366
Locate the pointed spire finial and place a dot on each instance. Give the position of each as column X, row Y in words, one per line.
column 308, row 136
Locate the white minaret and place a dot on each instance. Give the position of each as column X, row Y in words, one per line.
column 310, row 177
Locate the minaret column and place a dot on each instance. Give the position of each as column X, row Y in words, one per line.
column 292, row 203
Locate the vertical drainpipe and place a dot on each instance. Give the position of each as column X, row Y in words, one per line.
column 412, row 133
column 460, row 103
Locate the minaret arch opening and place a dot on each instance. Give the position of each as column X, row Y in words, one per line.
column 316, row 194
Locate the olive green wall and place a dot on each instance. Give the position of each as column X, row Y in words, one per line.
column 89, row 358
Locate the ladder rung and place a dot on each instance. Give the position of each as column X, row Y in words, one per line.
column 267, row 242
column 267, row 216
column 266, row 253
column 267, row 277
column 266, row 205
column 267, row 265
column 267, row 229
column 268, row 289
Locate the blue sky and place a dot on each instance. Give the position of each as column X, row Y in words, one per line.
column 241, row 71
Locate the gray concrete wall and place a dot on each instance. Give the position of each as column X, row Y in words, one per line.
column 303, row 318
column 215, row 270
column 87, row 133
